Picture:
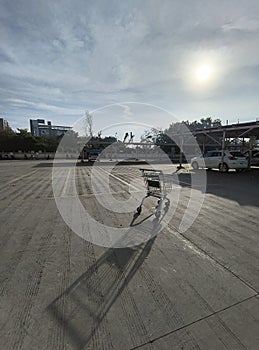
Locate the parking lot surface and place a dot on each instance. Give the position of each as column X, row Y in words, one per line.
column 196, row 289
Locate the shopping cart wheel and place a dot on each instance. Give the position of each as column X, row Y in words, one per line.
column 139, row 209
column 158, row 202
column 157, row 214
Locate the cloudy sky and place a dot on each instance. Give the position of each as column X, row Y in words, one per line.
column 193, row 58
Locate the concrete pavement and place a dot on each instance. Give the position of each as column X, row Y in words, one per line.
column 197, row 289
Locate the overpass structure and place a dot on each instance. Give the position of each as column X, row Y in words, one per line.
column 215, row 137
column 219, row 135
column 242, row 130
column 234, row 130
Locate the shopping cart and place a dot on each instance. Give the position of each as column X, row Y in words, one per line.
column 158, row 185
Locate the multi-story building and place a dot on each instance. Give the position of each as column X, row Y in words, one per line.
column 39, row 128
column 4, row 124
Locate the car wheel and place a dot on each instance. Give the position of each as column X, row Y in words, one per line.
column 223, row 167
column 195, row 165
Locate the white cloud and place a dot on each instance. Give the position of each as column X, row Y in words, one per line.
column 82, row 55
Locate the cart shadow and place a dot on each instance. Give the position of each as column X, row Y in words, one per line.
column 82, row 308
column 136, row 216
column 156, row 220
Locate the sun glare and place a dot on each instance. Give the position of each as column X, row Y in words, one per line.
column 204, row 73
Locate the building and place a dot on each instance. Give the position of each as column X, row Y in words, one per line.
column 39, row 128
column 4, row 125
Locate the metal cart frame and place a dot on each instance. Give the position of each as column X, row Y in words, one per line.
column 157, row 186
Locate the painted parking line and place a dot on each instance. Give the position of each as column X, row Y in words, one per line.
column 119, row 179
column 66, row 183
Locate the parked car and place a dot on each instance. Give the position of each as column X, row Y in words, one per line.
column 213, row 159
column 254, row 159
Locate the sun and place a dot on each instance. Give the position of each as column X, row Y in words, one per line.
column 204, row 73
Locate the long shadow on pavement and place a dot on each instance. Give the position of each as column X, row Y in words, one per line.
column 82, row 308
column 87, row 164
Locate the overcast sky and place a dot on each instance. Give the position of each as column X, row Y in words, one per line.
column 194, row 58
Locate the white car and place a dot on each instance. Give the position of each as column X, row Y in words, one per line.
column 213, row 159
column 254, row 157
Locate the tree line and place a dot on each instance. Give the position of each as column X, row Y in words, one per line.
column 24, row 141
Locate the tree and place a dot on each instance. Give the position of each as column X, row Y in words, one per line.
column 26, row 142
column 23, row 133
column 88, row 124
column 177, row 135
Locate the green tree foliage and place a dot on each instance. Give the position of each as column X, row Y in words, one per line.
column 157, row 136
column 172, row 135
column 204, row 123
column 24, row 141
